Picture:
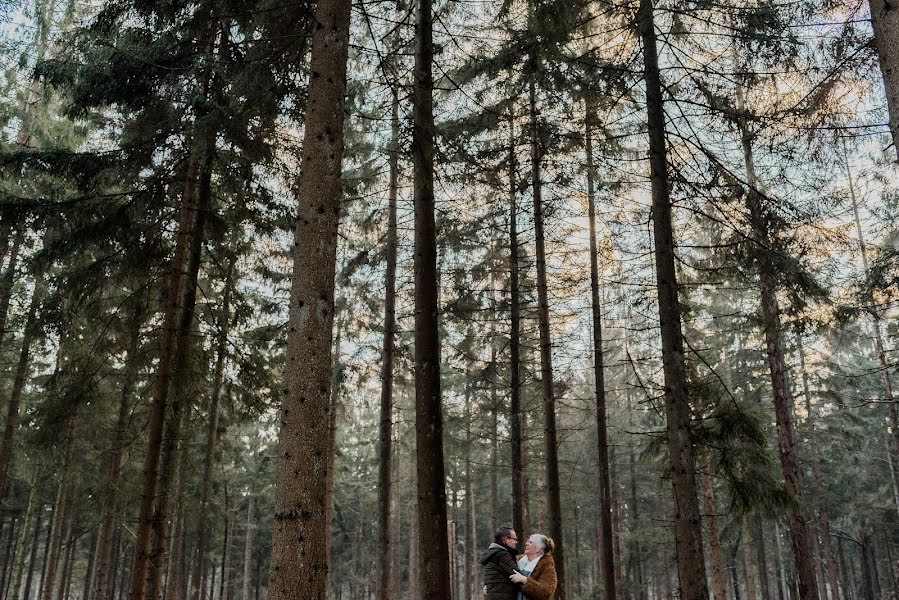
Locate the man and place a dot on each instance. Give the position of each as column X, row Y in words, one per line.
column 499, row 563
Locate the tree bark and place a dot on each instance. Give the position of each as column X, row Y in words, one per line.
column 687, row 526
column 550, row 435
column 385, row 432
column 299, row 563
column 434, row 573
column 606, row 551
column 515, row 422
column 885, row 21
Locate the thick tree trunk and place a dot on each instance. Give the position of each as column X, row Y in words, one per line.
column 113, row 467
column 799, row 533
column 248, row 547
column 434, row 572
column 687, row 526
column 550, row 435
column 299, row 563
column 606, row 551
column 515, row 422
column 385, row 433
column 885, row 21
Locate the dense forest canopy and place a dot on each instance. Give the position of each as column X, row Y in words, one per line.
column 304, row 300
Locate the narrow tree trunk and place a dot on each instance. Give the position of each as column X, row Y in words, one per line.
column 732, row 565
column 31, row 512
column 8, row 552
column 515, row 423
column 68, row 558
column 434, row 565
column 60, row 517
column 46, row 554
column 299, row 563
column 8, row 280
column 719, row 580
column 783, row 588
column 413, row 549
column 687, row 526
column 606, row 551
column 550, row 436
column 15, row 399
column 823, row 513
column 248, row 548
column 113, row 467
column 175, row 575
column 385, row 433
column 470, row 577
column 885, row 21
column 32, row 558
column 636, row 550
column 198, row 574
column 227, row 581
column 89, row 570
column 758, row 526
column 848, row 587
column 887, row 384
column 747, row 560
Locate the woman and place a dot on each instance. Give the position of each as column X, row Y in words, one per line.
column 538, row 569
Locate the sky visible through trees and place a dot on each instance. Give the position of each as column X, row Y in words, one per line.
column 303, row 300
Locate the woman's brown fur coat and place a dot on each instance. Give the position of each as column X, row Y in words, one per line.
column 541, row 584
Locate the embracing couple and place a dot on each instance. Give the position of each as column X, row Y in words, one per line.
column 509, row 576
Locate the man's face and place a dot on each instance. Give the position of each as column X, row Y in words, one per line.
column 511, row 541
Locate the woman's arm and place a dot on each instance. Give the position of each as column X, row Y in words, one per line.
column 543, row 588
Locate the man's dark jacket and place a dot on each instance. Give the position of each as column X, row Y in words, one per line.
column 499, row 562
